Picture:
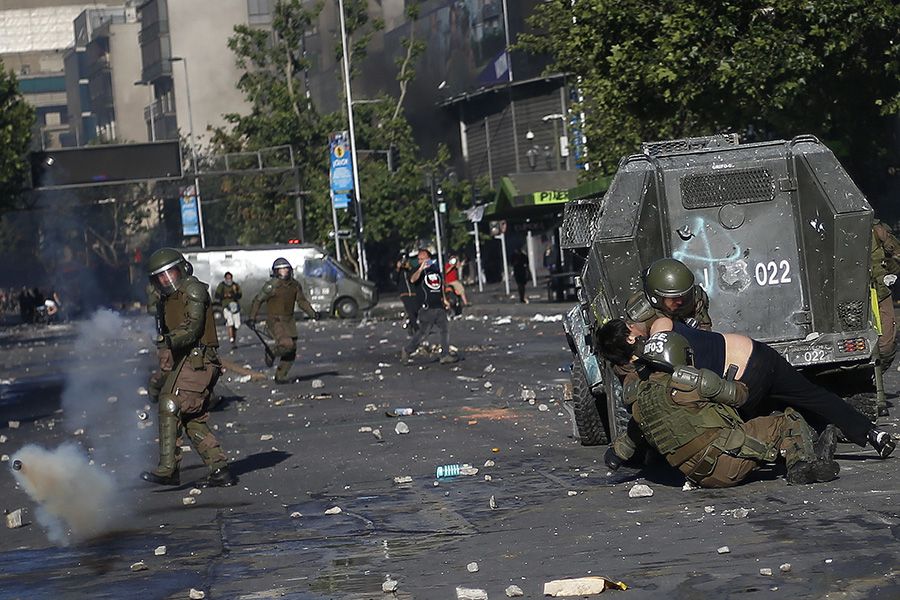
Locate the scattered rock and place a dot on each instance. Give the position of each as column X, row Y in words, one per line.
column 543, row 407
column 266, row 437
column 364, row 430
column 828, row 561
column 528, row 395
column 78, row 432
column 401, row 428
column 4, row 457
column 196, row 594
column 334, row 510
column 640, row 491
column 492, row 503
column 514, row 591
column 489, row 369
column 160, row 551
column 572, row 493
column 371, row 407
column 581, row 586
column 14, row 424
column 389, row 586
column 244, row 378
column 14, row 519
column 737, row 513
column 766, row 572
column 3, row 439
column 470, row 594
column 377, row 434
column 317, row 383
column 188, row 500
column 468, row 469
column 724, row 550
column 139, row 566
column 489, row 463
column 487, row 385
column 472, row 567
column 786, row 568
column 195, row 492
column 708, row 509
column 488, row 478
column 112, row 399
column 689, row 487
column 403, row 479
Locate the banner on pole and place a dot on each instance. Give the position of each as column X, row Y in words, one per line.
column 341, row 163
column 190, row 218
column 340, row 200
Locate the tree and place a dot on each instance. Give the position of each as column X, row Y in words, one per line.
column 16, row 121
column 763, row 69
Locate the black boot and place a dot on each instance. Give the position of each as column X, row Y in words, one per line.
column 221, row 477
column 173, row 479
column 882, row 442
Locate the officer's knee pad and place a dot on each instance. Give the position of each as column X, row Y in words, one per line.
column 168, row 406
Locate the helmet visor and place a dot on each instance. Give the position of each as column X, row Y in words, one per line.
column 167, row 281
column 681, row 305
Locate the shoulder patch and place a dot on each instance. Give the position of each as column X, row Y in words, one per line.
column 196, row 290
column 268, row 287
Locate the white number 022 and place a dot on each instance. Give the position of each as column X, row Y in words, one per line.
column 772, row 273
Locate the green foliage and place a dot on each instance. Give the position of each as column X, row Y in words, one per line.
column 258, row 209
column 16, row 120
column 671, row 69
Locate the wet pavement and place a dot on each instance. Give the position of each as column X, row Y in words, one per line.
column 546, row 509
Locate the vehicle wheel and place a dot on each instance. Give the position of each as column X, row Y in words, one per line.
column 616, row 414
column 588, row 420
column 346, row 308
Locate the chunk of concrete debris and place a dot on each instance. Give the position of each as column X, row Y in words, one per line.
column 572, row 493
column 364, row 429
column 472, row 567
column 296, row 515
column 334, row 510
column 470, row 594
column 14, row 424
column 689, row 487
column 786, row 568
column 3, row 439
column 188, row 500
column 543, row 407
column 489, row 369
column 160, row 551
column 402, row 479
column 528, row 395
column 492, row 503
column 708, row 509
column 377, row 434
column 139, row 566
column 266, row 437
column 580, row 586
column 14, row 519
column 78, row 431
column 488, row 385
column 401, row 428
column 4, row 457
column 737, row 513
column 195, row 492
column 371, row 407
column 514, row 591
column 196, row 594
column 389, row 586
column 765, row 572
column 468, row 469
column 318, row 383
column 724, row 550
column 489, row 463
column 640, row 491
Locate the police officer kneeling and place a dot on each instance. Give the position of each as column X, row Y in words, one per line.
column 688, row 415
column 186, row 346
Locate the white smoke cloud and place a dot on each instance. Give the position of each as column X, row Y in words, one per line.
column 76, row 500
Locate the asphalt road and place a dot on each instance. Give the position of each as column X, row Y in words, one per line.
column 556, row 512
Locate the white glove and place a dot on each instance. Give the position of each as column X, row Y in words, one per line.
column 890, row 280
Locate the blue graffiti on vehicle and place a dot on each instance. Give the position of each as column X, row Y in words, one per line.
column 728, row 272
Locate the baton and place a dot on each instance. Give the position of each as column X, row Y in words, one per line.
column 270, row 356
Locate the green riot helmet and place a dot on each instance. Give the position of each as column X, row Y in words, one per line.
column 666, row 350
column 167, row 269
column 669, row 286
column 278, row 265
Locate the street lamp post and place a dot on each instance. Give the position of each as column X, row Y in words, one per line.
column 187, row 91
column 555, row 117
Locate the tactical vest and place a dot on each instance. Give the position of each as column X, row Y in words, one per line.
column 284, row 296
column 176, row 313
column 669, row 426
column 229, row 291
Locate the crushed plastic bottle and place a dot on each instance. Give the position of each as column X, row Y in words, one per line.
column 399, row 412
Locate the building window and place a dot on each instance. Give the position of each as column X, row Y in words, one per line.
column 259, row 11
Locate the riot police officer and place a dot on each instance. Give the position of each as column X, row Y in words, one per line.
column 669, row 290
column 280, row 293
column 689, row 415
column 189, row 366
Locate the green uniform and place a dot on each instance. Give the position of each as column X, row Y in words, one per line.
column 705, row 439
column 885, row 262
column 280, row 296
column 189, row 369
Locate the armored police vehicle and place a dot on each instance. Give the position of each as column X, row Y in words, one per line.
column 328, row 285
column 776, row 233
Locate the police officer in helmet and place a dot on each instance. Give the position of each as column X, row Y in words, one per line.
column 188, row 369
column 669, row 290
column 280, row 293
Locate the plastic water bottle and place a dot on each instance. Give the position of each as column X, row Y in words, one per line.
column 448, row 470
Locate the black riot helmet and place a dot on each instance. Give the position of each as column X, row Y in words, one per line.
column 282, row 263
column 670, row 278
column 666, row 350
column 167, row 269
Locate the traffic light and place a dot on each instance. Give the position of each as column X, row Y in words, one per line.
column 393, row 158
